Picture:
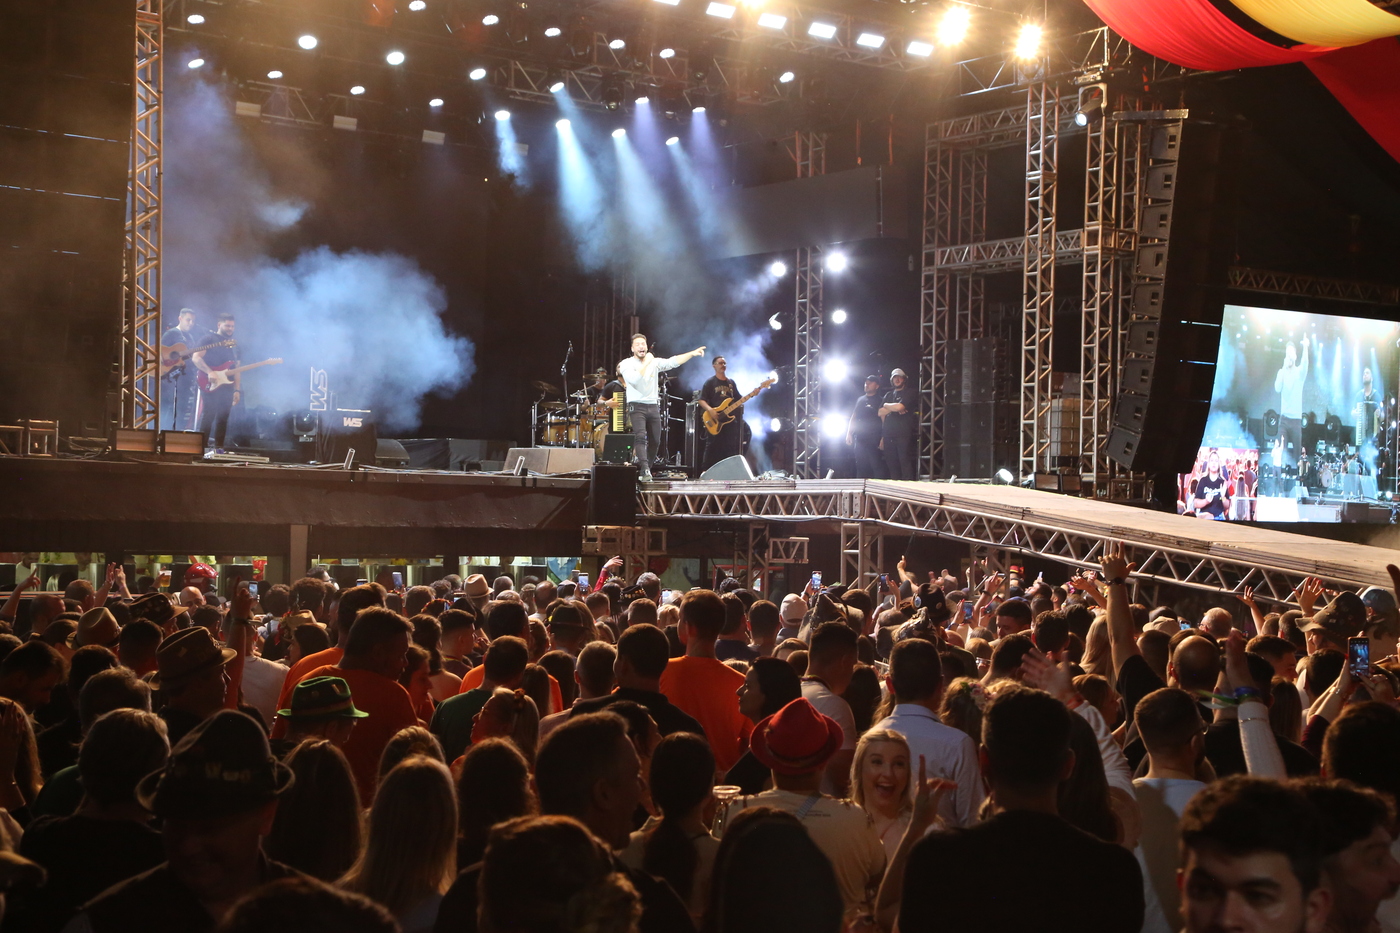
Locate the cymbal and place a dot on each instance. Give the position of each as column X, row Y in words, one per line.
column 545, row 387
column 551, row 406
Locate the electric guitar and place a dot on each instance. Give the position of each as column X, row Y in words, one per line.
column 173, row 357
column 723, row 413
column 223, row 375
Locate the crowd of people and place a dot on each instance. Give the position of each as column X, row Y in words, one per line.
column 940, row 754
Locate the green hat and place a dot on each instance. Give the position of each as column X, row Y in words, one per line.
column 322, row 698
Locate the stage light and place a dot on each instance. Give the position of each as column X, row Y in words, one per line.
column 822, row 30
column 642, row 100
column 952, row 28
column 777, row 269
column 619, row 133
column 195, row 63
column 775, row 424
column 552, row 32
column 617, row 44
column 195, row 19
column 476, row 74
column 786, row 77
column 490, row 19
column 502, row 115
column 673, row 140
column 1089, row 112
column 308, row 42
column 561, row 124
column 836, row 370
column 838, row 316
column 870, row 40
column 395, row 57
column 417, row 6
column 667, row 53
column 775, row 323
column 772, row 20
column 1004, row 476
column 698, row 108
column 834, row 425
column 670, row 2
column 435, row 102
column 722, row 10
column 1028, row 42
column 920, row 49
column 556, row 84
column 837, row 262
column 357, row 90
column 274, row 75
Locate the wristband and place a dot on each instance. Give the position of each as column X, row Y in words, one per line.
column 1118, row 581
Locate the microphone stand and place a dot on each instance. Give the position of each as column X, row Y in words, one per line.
column 564, row 387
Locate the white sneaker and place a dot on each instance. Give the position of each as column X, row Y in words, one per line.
column 645, row 477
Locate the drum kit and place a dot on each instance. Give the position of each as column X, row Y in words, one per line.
column 576, row 421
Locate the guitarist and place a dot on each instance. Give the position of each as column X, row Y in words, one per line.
column 216, row 404
column 717, row 390
column 178, row 403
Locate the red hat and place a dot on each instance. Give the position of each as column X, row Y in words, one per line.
column 796, row 739
column 200, row 572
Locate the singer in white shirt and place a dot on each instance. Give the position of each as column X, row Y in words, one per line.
column 639, row 372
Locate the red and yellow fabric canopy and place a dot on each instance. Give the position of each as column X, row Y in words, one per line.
column 1350, row 46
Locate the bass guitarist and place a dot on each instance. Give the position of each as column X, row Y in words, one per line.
column 215, row 404
column 177, row 403
column 718, row 389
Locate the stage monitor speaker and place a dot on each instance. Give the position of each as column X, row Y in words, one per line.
column 732, row 469
column 617, row 448
column 551, row 459
column 1182, row 269
column 390, row 453
column 612, row 494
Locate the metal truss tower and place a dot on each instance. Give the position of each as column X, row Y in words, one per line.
column 808, row 151
column 140, row 331
column 1038, row 321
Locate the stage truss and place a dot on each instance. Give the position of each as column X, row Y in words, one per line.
column 1167, row 548
column 808, row 152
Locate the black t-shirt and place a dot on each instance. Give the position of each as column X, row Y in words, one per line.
column 84, row 857
column 1205, row 487
column 897, row 425
column 669, row 717
column 157, row 901
column 1054, row 878
column 1226, row 753
column 215, row 357
column 865, row 419
column 717, row 391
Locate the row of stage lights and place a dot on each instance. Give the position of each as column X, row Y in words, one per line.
column 951, row 29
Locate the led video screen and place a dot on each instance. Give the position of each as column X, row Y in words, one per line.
column 1302, row 424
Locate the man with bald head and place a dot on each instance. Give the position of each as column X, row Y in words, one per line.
column 1218, row 622
column 43, row 609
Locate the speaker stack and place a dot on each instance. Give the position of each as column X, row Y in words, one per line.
column 1185, row 231
column 976, row 424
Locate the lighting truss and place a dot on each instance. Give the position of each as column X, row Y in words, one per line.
column 141, row 277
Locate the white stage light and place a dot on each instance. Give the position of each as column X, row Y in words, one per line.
column 698, row 109
column 722, row 10
column 274, row 75
column 1004, row 475
column 822, row 31
column 476, row 74
column 195, row 63
column 642, row 100
column 777, row 269
column 619, row 133
column 837, row 262
column 435, row 102
column 561, row 124
column 775, row 424
column 838, row 316
column 786, row 77
column 357, row 90
column 952, row 28
column 775, row 323
column 502, row 115
column 195, row 19
column 417, row 6
column 673, row 141
column 552, row 32
column 617, row 44
column 670, row 2
column 772, row 20
column 556, row 86
column 870, row 40
column 667, row 53
column 834, row 425
column 395, row 57
column 490, row 19
column 307, row 42
column 836, row 370
column 1028, row 42
column 917, row 48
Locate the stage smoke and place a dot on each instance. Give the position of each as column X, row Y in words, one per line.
column 372, row 322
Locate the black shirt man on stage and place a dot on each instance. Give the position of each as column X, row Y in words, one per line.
column 863, row 432
column 217, row 403
column 717, row 390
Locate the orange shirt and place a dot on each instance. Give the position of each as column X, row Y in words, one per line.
column 390, row 710
column 477, row 675
column 707, row 689
column 299, row 671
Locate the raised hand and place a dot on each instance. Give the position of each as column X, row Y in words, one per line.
column 1039, row 670
column 1247, row 597
column 1236, row 667
column 1115, row 565
column 928, row 794
column 1308, row 592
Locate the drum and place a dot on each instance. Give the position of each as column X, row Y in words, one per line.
column 562, row 432
column 600, row 435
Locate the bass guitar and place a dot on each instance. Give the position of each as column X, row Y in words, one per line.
column 174, row 356
column 223, row 375
column 723, row 413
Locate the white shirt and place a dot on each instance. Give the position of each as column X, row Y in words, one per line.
column 1162, row 801
column 829, row 704
column 641, row 378
column 948, row 753
column 841, row 829
column 262, row 685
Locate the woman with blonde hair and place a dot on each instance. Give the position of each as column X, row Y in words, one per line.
column 1098, row 659
column 880, row 784
column 509, row 714
column 410, row 857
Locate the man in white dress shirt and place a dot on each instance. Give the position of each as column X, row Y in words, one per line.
column 639, row 372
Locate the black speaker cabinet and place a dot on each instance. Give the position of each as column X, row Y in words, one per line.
column 612, row 494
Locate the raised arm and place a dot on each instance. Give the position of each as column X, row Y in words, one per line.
column 1120, row 619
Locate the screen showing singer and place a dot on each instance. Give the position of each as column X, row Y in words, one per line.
column 1302, row 422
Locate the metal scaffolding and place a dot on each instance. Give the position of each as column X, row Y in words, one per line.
column 808, row 151
column 609, row 318
column 1038, row 291
column 140, row 331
